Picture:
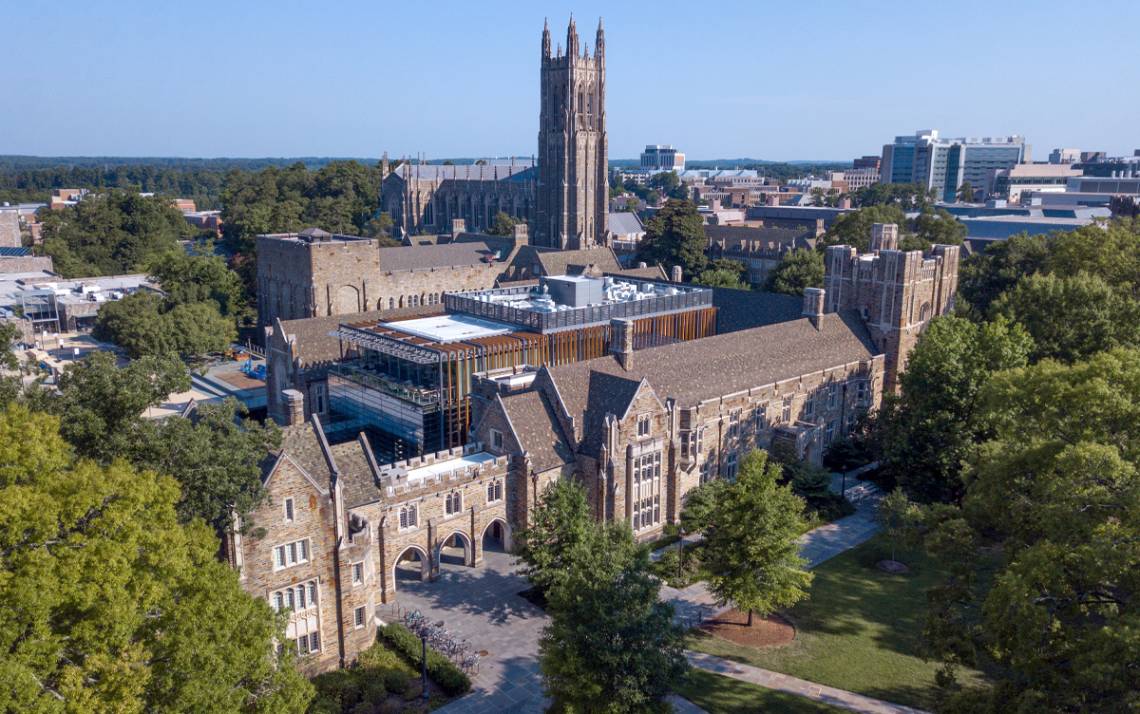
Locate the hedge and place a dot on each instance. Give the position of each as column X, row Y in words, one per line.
column 452, row 680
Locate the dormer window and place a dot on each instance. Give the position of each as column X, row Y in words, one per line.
column 496, row 439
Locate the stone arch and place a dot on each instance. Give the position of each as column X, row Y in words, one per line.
column 499, row 532
column 401, row 301
column 347, row 300
column 468, row 547
column 425, row 563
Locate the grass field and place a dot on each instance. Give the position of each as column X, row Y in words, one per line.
column 860, row 630
column 718, row 694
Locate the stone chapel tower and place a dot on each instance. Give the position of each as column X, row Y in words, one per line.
column 573, row 178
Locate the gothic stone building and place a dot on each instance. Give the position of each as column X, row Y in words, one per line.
column 564, row 198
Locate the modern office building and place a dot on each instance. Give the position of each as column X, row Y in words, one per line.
column 662, row 157
column 1065, row 156
column 943, row 165
column 1011, row 183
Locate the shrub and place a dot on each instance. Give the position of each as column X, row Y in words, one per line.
column 450, row 678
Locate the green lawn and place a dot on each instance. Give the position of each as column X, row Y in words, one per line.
column 718, row 694
column 860, row 630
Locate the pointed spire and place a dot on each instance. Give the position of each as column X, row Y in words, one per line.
column 572, row 38
column 600, row 41
column 545, row 39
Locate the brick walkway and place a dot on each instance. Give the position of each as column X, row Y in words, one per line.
column 785, row 683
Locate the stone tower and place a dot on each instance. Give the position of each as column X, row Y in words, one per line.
column 896, row 292
column 573, row 180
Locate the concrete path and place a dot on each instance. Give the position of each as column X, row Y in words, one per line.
column 482, row 605
column 792, row 685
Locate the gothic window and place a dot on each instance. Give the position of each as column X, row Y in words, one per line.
column 862, row 393
column 408, row 516
column 646, row 494
column 706, row 471
column 760, row 418
column 494, row 491
column 830, row 435
column 643, row 425
column 734, row 424
column 786, row 411
column 730, row 466
column 833, row 395
column 453, row 503
column 391, row 303
column 809, row 406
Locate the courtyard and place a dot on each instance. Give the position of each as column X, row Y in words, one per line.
column 481, row 605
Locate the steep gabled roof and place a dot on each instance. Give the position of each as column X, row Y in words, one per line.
column 537, row 429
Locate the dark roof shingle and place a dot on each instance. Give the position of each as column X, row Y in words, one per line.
column 538, row 430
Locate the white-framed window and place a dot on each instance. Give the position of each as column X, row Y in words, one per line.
column 358, row 573
column 299, row 597
column 646, row 490
column 496, row 438
column 809, row 406
column 833, row 395
column 290, row 554
column 786, row 411
column 454, row 503
column 408, row 516
column 289, row 509
column 643, row 425
column 494, row 491
column 863, row 393
column 358, row 617
column 760, row 418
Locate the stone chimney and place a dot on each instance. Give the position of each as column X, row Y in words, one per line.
column 458, row 225
column 771, row 199
column 814, row 300
column 845, row 202
column 621, row 341
column 676, row 274
column 294, row 411
column 521, row 234
column 884, row 236
column 642, row 264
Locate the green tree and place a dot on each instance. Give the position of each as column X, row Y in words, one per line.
column 854, row 228
column 930, row 429
column 187, row 279
column 111, row 233
column 700, row 506
column 724, row 273
column 215, row 458
column 503, row 225
column 935, row 226
column 798, row 269
column 966, row 192
column 611, row 645
column 1071, row 317
column 100, row 405
column 985, row 276
column 676, row 236
column 751, row 553
column 1057, row 486
column 110, row 603
column 561, row 521
column 144, row 324
column 900, row 520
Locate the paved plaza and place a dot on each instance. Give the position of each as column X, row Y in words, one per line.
column 483, row 606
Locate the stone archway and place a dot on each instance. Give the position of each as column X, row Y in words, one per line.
column 497, row 536
column 445, row 551
column 405, row 567
column 347, row 300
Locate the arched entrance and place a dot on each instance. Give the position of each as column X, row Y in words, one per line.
column 455, row 549
column 412, row 564
column 497, row 537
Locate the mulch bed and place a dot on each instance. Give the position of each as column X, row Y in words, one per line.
column 731, row 625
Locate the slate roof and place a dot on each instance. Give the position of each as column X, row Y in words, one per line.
column 567, row 262
column 358, row 484
column 300, row 442
column 465, row 172
column 784, row 236
column 424, row 257
column 745, row 309
column 625, row 223
column 694, row 371
column 315, row 345
column 652, row 272
column 538, row 429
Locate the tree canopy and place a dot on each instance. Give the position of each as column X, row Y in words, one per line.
column 112, row 233
column 560, row 521
column 750, row 552
column 111, row 603
column 675, row 236
column 144, row 324
column 798, row 269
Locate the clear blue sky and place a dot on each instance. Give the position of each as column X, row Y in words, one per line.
column 793, row 79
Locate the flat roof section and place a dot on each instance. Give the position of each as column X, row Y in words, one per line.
column 451, row 328
column 443, row 467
